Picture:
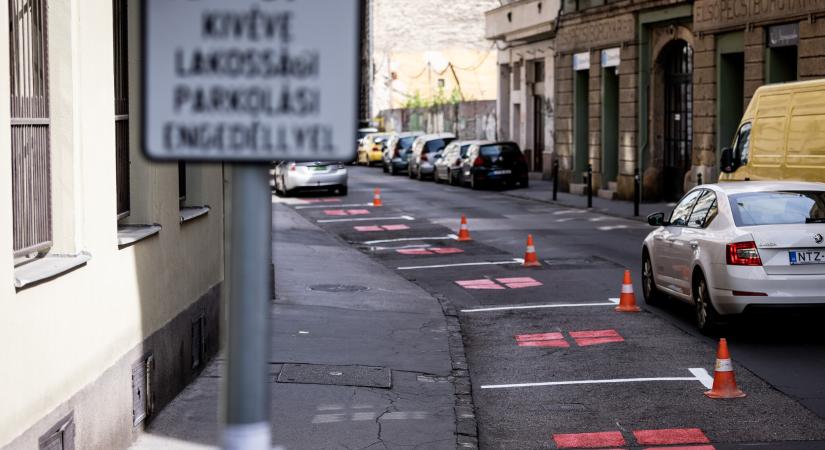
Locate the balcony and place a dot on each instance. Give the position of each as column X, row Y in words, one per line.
column 522, row 20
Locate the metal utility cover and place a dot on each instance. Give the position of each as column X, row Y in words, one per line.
column 250, row 80
column 364, row 376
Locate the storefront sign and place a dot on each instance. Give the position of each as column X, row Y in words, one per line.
column 611, row 57
column 709, row 15
column 581, row 61
column 250, row 80
column 783, row 35
column 598, row 33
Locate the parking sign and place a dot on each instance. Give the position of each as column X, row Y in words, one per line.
column 250, row 80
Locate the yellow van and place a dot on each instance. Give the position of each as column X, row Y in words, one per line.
column 781, row 135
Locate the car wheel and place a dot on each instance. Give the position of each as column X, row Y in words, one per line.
column 707, row 319
column 342, row 191
column 384, row 167
column 409, row 171
column 391, row 169
column 525, row 183
column 474, row 185
column 418, row 175
column 652, row 295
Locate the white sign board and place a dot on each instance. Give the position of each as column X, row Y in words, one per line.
column 611, row 57
column 250, row 80
column 581, row 61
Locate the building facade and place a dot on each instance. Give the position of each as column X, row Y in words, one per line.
column 110, row 280
column 424, row 53
column 523, row 32
column 658, row 87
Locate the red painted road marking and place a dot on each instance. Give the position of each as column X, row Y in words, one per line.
column 346, row 212
column 585, row 338
column 446, row 250
column 671, row 436
column 519, row 282
column 589, row 440
column 395, row 227
column 368, row 228
column 357, row 212
column 479, row 284
column 335, row 212
column 551, row 343
column 684, row 447
column 414, row 251
column 539, row 337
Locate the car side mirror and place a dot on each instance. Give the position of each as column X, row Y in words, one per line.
column 657, row 219
column 727, row 163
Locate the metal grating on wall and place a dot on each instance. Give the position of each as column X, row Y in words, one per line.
column 121, row 58
column 30, row 154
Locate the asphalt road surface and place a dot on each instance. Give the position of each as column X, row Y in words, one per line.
column 568, row 371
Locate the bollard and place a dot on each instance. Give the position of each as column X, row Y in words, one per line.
column 589, row 185
column 555, row 180
column 698, row 179
column 637, row 194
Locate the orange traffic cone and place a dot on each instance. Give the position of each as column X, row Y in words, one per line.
column 627, row 300
column 724, row 381
column 530, row 258
column 464, row 232
column 376, row 198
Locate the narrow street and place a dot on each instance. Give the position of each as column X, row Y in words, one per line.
column 541, row 391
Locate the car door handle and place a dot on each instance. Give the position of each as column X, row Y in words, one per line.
column 694, row 244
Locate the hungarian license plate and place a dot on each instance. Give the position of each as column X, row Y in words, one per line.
column 502, row 172
column 319, row 168
column 807, row 257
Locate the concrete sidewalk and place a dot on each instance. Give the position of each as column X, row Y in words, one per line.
column 542, row 191
column 360, row 357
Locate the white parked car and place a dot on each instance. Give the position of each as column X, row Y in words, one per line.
column 730, row 247
column 290, row 177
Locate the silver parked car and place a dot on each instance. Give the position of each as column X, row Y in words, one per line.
column 396, row 158
column 448, row 167
column 289, row 177
column 425, row 150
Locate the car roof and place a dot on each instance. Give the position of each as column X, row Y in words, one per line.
column 409, row 133
column 430, row 137
column 740, row 187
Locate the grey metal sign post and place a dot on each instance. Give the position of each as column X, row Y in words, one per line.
column 249, row 82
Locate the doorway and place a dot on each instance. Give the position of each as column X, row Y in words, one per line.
column 610, row 125
column 677, row 64
column 581, row 111
column 538, row 133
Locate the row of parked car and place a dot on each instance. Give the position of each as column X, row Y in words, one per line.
column 445, row 159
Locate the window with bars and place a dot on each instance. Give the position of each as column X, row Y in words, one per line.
column 30, row 153
column 121, row 60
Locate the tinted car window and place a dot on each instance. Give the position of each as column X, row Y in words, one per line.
column 704, row 211
column 406, row 143
column 436, row 145
column 680, row 214
column 464, row 149
column 772, row 208
column 507, row 152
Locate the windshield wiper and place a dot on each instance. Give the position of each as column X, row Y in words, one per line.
column 815, row 220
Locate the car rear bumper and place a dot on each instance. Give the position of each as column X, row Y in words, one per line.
column 400, row 165
column 426, row 169
column 765, row 291
column 375, row 156
column 308, row 180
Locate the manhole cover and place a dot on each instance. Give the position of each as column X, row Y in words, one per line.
column 338, row 288
column 365, row 376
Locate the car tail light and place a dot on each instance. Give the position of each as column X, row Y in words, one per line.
column 458, row 162
column 424, row 157
column 478, row 162
column 521, row 158
column 293, row 167
column 743, row 254
column 396, row 154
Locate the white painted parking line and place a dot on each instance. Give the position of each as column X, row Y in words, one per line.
column 363, row 219
column 331, row 205
column 612, row 302
column 700, row 375
column 484, row 263
column 408, row 239
column 703, row 376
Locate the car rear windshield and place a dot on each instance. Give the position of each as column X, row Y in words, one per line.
column 406, row 143
column 505, row 150
column 781, row 207
column 436, row 145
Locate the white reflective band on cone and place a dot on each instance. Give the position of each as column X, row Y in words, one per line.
column 724, row 365
column 250, row 436
column 463, row 226
column 531, row 249
column 627, row 289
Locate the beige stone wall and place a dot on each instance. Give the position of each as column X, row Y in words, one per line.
column 704, row 103
column 417, row 41
column 59, row 336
